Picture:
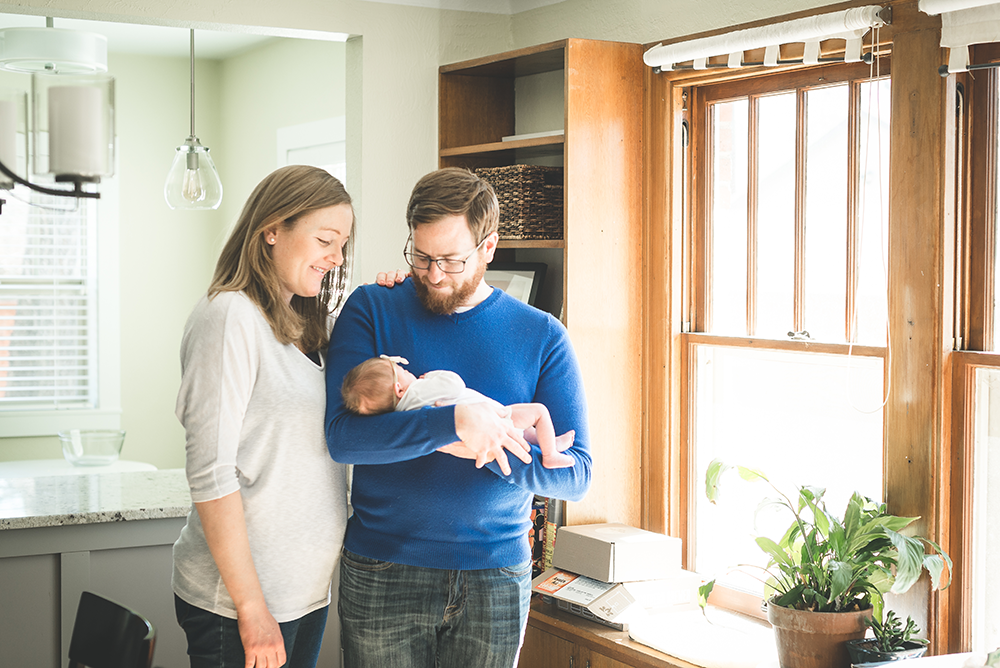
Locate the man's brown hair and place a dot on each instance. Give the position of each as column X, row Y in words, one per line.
column 454, row 192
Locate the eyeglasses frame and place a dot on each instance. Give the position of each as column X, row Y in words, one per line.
column 438, row 260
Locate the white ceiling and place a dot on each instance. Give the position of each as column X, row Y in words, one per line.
column 162, row 40
column 157, row 40
column 485, row 6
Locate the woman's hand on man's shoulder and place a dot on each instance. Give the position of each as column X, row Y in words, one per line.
column 390, row 279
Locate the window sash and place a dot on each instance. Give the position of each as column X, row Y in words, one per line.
column 705, row 99
column 48, row 297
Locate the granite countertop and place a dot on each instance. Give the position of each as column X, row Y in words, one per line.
column 93, row 498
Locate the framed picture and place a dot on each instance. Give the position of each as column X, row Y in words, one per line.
column 518, row 279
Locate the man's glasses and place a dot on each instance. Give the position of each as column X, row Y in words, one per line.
column 447, row 265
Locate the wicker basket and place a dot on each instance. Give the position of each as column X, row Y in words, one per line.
column 531, row 200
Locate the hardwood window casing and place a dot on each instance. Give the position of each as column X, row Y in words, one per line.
column 919, row 457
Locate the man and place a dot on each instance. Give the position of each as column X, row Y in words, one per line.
column 436, row 569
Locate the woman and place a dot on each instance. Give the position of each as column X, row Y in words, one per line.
column 253, row 565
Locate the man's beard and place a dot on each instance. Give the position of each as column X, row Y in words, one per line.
column 446, row 303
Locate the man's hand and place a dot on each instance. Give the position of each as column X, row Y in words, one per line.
column 484, row 433
column 390, row 279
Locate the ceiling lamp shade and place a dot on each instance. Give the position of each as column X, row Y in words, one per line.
column 72, row 121
column 193, row 182
column 53, row 50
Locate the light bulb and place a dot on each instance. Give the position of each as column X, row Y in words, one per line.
column 193, row 190
column 193, row 182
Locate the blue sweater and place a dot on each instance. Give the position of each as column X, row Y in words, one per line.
column 413, row 505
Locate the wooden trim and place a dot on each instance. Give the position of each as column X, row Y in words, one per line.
column 799, row 263
column 853, row 255
column 659, row 302
column 492, row 147
column 958, row 632
column 701, row 211
column 604, row 238
column 753, row 173
column 598, row 638
column 520, row 62
column 915, row 413
column 981, row 188
column 789, row 345
column 531, row 243
column 807, row 77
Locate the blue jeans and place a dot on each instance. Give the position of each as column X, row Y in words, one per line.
column 214, row 641
column 397, row 616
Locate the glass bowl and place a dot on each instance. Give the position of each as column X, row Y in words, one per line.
column 91, row 447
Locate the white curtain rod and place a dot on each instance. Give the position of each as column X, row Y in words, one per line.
column 850, row 24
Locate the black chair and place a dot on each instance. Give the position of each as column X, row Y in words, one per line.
column 108, row 635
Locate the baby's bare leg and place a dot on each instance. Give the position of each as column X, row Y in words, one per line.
column 536, row 417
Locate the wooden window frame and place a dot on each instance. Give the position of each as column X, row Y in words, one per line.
column 701, row 97
column 921, row 451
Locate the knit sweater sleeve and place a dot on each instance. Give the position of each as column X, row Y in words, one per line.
column 560, row 389
column 374, row 439
column 219, row 359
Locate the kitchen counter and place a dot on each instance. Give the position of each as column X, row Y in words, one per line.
column 107, row 532
column 92, row 498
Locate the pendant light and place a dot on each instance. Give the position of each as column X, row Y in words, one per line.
column 72, row 119
column 193, row 182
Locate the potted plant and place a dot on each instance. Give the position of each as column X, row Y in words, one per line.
column 826, row 576
column 893, row 640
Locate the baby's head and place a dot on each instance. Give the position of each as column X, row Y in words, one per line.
column 375, row 386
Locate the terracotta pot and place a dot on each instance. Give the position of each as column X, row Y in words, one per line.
column 815, row 639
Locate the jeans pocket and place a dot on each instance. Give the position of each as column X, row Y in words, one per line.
column 518, row 570
column 363, row 563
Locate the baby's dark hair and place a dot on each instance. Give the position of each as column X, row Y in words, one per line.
column 368, row 387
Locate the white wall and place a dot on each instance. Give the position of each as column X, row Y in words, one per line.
column 391, row 78
column 167, row 257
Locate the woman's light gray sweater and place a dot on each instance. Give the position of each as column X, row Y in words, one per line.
column 252, row 410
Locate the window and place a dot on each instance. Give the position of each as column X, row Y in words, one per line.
column 802, row 418
column 978, row 257
column 789, row 226
column 58, row 316
column 985, row 559
column 792, row 230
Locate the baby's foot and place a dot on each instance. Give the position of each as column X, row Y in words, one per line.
column 564, row 441
column 557, row 460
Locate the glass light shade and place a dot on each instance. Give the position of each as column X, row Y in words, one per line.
column 74, row 130
column 13, row 134
column 193, row 182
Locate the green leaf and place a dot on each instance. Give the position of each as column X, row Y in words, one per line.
column 712, row 475
column 993, row 659
column 909, row 562
column 934, row 567
column 751, row 474
column 841, row 576
column 774, row 550
column 703, row 593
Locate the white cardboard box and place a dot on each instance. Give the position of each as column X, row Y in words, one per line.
column 602, row 599
column 616, row 552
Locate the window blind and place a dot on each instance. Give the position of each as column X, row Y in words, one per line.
column 47, row 304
